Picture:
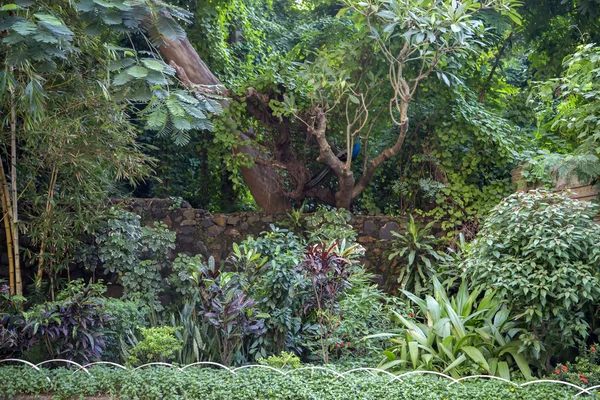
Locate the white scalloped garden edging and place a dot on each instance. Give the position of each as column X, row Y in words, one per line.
column 310, row 368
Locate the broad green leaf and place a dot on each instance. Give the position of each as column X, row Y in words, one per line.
column 413, row 349
column 137, row 71
column 477, row 356
column 153, row 64
column 455, row 363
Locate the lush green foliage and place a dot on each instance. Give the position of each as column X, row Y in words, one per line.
column 135, row 253
column 329, row 225
column 126, row 317
column 228, row 309
column 158, row 344
column 569, row 115
column 283, row 361
column 362, row 298
column 277, row 287
column 328, row 270
column 213, row 384
column 414, row 252
column 584, row 371
column 463, row 334
column 539, row 250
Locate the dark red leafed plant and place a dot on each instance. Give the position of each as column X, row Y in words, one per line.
column 329, row 273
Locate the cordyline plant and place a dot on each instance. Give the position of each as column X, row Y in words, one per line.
column 328, row 268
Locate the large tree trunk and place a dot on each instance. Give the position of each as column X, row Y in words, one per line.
column 261, row 179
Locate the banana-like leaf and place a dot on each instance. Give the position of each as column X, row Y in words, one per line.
column 513, row 349
column 434, row 309
column 391, row 364
column 447, row 351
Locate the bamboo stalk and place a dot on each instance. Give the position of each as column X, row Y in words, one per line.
column 13, row 181
column 6, row 216
column 51, row 191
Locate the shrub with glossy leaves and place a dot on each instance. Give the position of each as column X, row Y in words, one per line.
column 540, row 251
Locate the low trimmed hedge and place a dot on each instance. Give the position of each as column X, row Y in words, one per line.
column 162, row 383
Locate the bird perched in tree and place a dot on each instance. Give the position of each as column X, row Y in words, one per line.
column 324, row 172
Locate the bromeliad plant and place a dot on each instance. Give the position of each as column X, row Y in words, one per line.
column 457, row 335
column 414, row 253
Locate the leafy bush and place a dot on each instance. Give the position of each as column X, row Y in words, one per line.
column 72, row 327
column 457, row 335
column 159, row 344
column 135, row 253
column 364, row 310
column 415, row 253
column 277, row 287
column 231, row 313
column 329, row 225
column 540, row 251
column 13, row 341
column 182, row 278
column 285, row 360
column 126, row 315
column 585, row 371
column 198, row 340
column 328, row 269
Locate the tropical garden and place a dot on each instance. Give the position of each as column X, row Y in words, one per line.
column 314, row 111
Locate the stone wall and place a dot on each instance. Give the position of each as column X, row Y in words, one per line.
column 199, row 232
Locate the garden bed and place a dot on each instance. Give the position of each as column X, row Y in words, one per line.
column 20, row 382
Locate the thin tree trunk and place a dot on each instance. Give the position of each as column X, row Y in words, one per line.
column 261, row 179
column 13, row 180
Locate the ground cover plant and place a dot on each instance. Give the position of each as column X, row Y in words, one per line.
column 206, row 383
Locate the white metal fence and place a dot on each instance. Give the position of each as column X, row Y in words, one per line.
column 342, row 375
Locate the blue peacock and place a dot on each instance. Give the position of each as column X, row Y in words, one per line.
column 324, row 172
